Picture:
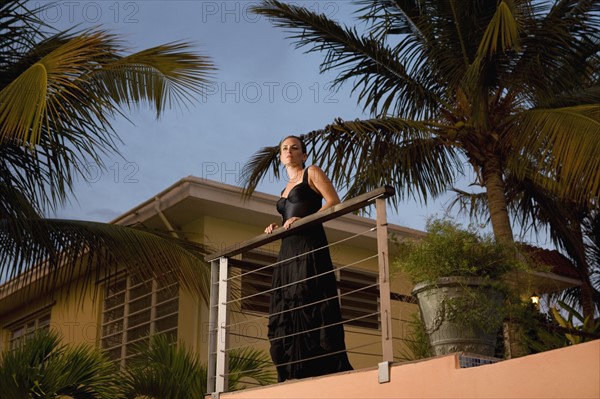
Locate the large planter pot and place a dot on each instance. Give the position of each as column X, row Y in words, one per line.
column 447, row 333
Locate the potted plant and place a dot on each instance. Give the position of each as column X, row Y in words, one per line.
column 458, row 286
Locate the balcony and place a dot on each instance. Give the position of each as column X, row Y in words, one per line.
column 549, row 374
column 223, row 277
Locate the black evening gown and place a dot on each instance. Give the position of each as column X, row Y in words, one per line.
column 305, row 339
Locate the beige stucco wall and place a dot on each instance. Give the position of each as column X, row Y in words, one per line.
column 77, row 318
column 193, row 323
column 572, row 372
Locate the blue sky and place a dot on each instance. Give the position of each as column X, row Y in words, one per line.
column 263, row 89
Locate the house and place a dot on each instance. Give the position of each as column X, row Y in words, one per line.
column 119, row 312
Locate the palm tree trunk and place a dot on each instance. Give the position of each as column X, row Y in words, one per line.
column 586, row 294
column 495, row 189
column 494, row 184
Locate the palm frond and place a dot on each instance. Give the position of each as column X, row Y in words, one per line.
column 86, row 75
column 43, row 367
column 580, row 95
column 45, row 176
column 408, row 156
column 258, row 166
column 51, row 251
column 52, row 80
column 382, row 80
column 591, row 227
column 447, row 33
column 19, row 197
column 167, row 76
column 473, row 205
column 389, row 17
column 64, row 93
column 165, row 370
column 560, row 51
column 249, row 364
column 567, row 144
column 20, row 29
column 503, row 32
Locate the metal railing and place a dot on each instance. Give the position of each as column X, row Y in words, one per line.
column 220, row 302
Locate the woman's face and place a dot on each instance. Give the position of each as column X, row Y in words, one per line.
column 291, row 152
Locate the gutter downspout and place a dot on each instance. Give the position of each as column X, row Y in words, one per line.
column 164, row 219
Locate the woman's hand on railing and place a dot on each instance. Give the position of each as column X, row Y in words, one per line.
column 269, row 229
column 288, row 223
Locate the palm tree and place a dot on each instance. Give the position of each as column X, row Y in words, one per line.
column 575, row 231
column 505, row 87
column 573, row 228
column 42, row 367
column 59, row 93
column 166, row 370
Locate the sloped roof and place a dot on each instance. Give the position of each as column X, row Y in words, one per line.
column 558, row 263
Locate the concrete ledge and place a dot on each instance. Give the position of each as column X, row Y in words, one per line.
column 572, row 372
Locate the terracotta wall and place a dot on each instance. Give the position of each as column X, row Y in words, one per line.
column 572, row 372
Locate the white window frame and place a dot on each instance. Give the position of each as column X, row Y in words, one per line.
column 26, row 327
column 120, row 325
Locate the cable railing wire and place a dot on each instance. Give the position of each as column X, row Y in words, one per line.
column 340, row 295
column 260, row 317
column 305, row 359
column 366, row 353
column 300, row 255
column 311, row 329
column 248, row 336
column 299, row 281
column 265, row 316
column 328, row 325
column 303, row 331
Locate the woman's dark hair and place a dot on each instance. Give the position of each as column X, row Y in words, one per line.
column 302, row 145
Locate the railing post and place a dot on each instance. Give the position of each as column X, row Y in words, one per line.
column 222, row 320
column 212, row 326
column 384, row 282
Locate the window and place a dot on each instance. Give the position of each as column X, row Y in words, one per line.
column 23, row 330
column 360, row 305
column 254, row 286
column 134, row 310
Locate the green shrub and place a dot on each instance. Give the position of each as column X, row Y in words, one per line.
column 449, row 250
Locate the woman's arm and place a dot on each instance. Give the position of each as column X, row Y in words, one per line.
column 319, row 181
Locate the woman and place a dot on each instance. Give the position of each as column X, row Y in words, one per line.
column 305, row 333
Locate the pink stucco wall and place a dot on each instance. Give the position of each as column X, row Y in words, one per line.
column 572, row 372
